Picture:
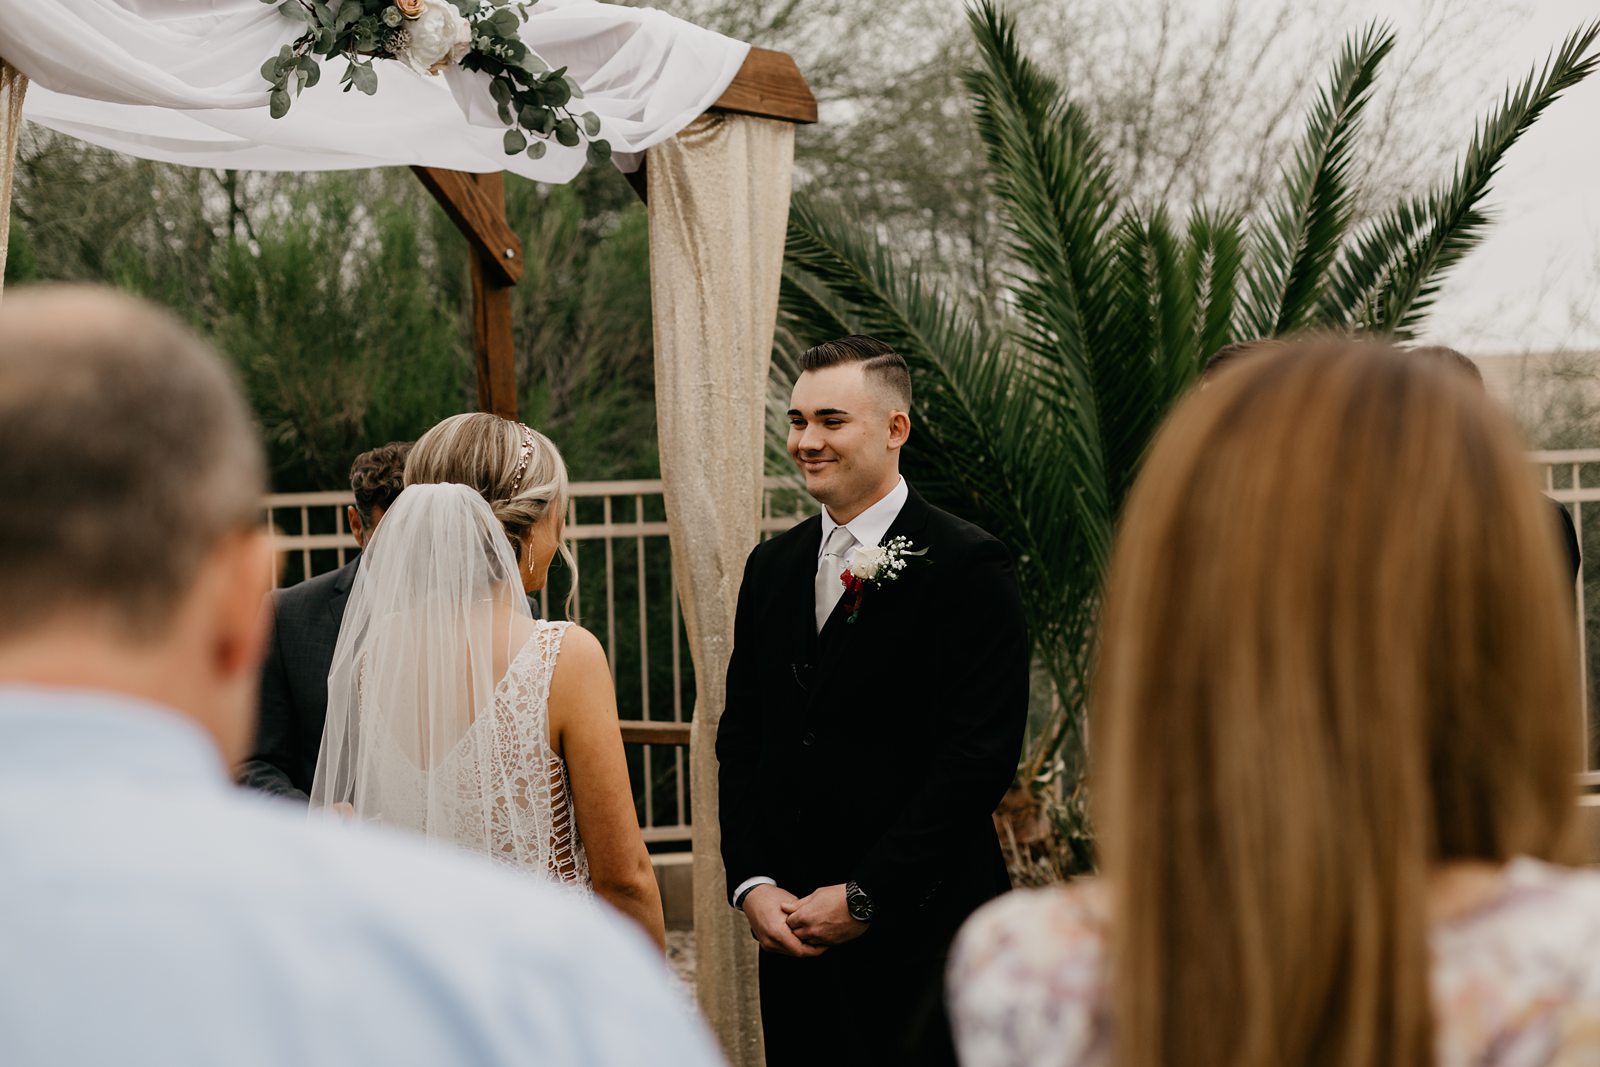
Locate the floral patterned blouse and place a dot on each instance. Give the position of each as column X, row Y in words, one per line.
column 1516, row 981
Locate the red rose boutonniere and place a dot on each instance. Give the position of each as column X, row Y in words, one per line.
column 873, row 567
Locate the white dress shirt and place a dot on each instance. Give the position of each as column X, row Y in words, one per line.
column 153, row 914
column 868, row 528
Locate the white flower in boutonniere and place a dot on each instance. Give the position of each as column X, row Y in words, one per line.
column 874, row 566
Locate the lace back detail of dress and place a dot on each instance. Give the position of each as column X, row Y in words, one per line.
column 532, row 823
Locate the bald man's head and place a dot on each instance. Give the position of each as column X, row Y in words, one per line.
column 126, row 454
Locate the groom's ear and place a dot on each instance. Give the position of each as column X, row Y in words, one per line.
column 899, row 429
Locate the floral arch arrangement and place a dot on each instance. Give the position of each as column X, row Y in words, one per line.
column 534, row 101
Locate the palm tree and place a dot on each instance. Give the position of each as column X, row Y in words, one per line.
column 1035, row 427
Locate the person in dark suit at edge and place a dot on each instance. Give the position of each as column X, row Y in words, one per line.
column 305, row 627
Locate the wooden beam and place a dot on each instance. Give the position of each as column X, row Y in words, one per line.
column 770, row 86
column 637, row 732
column 493, row 340
column 479, row 216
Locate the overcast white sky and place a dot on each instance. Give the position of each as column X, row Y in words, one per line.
column 1534, row 284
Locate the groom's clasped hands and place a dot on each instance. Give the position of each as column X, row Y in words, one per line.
column 800, row 926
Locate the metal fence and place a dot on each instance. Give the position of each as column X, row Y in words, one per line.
column 627, row 596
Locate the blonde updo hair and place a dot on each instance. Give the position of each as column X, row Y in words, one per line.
column 517, row 469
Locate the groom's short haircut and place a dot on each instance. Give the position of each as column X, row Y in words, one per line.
column 126, row 455
column 377, row 477
column 883, row 366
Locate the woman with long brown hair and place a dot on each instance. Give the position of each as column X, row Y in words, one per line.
column 1335, row 724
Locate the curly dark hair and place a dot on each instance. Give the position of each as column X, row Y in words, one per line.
column 377, row 477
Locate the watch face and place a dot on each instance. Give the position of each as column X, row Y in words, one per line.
column 858, row 904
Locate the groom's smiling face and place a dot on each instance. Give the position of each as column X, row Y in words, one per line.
column 845, row 436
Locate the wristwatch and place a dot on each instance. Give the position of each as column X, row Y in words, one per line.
column 858, row 904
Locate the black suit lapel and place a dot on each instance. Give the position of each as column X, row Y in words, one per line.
column 839, row 635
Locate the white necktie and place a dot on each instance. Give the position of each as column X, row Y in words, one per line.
column 828, row 587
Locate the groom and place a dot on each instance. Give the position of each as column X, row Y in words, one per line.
column 870, row 731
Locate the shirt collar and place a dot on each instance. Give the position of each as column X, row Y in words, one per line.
column 64, row 733
column 869, row 527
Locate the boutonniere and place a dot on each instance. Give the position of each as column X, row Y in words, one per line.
column 873, row 567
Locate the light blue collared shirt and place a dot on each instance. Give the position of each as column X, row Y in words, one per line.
column 150, row 913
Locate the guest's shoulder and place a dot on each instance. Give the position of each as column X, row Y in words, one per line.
column 1027, row 979
column 1520, row 971
column 1031, row 928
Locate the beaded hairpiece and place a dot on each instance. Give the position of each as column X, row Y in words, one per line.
column 522, row 461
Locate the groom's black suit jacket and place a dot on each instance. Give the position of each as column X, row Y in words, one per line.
column 878, row 750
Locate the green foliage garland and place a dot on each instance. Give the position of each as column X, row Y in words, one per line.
column 534, row 101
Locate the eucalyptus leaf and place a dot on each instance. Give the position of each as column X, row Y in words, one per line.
column 567, row 133
column 500, row 91
column 556, row 93
column 278, row 103
column 599, row 152
column 531, row 63
column 537, row 149
column 573, row 88
column 503, row 22
column 591, row 124
column 296, row 11
column 515, row 142
column 366, row 79
column 311, row 69
column 269, row 69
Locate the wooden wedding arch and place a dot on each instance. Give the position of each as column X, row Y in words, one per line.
column 769, row 85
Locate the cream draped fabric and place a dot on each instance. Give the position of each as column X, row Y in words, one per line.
column 719, row 208
column 179, row 81
column 12, row 88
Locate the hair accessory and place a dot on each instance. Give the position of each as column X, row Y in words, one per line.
column 522, row 461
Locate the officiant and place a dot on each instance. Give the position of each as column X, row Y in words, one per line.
column 305, row 627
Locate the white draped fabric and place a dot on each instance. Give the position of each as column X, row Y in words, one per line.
column 180, row 81
column 719, row 209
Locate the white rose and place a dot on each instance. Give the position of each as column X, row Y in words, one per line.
column 867, row 561
column 439, row 35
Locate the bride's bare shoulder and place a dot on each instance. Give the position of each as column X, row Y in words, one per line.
column 581, row 661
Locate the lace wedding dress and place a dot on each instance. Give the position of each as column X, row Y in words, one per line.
column 434, row 619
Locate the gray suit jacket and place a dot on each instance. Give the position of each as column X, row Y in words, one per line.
column 294, row 683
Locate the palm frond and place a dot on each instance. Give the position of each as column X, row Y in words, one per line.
column 972, row 451
column 1426, row 237
column 1308, row 222
column 1054, row 185
column 1157, row 314
column 1216, row 257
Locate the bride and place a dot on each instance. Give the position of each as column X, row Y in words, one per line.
column 452, row 711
